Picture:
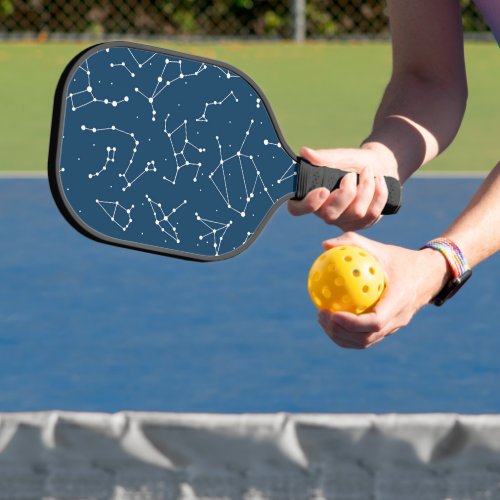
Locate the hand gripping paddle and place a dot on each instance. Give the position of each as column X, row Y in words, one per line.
column 170, row 153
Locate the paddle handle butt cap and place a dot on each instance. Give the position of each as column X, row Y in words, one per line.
column 312, row 177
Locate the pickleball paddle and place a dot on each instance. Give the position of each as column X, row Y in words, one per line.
column 171, row 153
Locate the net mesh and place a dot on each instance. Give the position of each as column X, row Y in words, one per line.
column 155, row 456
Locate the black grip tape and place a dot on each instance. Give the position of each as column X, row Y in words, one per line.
column 312, row 177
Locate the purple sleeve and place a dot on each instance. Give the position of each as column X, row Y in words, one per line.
column 490, row 9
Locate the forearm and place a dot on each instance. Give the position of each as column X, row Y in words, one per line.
column 424, row 103
column 477, row 230
column 416, row 120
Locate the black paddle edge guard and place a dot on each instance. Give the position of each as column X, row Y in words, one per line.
column 312, row 177
column 56, row 132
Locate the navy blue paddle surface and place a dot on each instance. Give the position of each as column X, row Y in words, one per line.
column 170, row 153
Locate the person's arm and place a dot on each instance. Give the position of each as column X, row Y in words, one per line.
column 424, row 103
column 419, row 114
column 477, row 230
column 414, row 277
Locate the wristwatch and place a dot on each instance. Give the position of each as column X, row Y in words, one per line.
column 460, row 270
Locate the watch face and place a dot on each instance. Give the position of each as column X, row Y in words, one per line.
column 451, row 288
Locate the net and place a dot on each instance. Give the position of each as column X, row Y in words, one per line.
column 159, row 456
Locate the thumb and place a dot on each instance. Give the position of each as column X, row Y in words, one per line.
column 349, row 238
column 339, row 158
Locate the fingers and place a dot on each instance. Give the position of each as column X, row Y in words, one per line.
column 406, row 292
column 364, row 209
column 355, row 332
column 356, row 204
column 338, row 158
column 380, row 196
column 310, row 204
column 316, row 198
column 368, row 323
column 336, row 203
column 364, row 195
column 352, row 238
column 339, row 337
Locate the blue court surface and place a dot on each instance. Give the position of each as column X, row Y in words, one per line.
column 90, row 327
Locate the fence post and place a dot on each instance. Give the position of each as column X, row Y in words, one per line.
column 299, row 20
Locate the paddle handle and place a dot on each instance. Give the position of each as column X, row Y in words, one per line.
column 311, row 177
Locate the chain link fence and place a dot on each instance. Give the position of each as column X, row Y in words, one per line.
column 206, row 18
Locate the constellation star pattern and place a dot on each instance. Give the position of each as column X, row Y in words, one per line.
column 226, row 72
column 116, row 212
column 150, row 167
column 203, row 117
column 88, row 92
column 139, row 64
column 122, row 64
column 201, row 166
column 286, row 175
column 230, row 161
column 162, row 83
column 109, row 158
column 217, row 231
column 180, row 156
column 161, row 218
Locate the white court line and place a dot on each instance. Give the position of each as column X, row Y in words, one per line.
column 32, row 174
column 454, row 174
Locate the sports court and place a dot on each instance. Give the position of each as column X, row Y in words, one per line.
column 126, row 375
column 232, row 357
column 90, row 327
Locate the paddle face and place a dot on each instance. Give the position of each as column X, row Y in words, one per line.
column 164, row 152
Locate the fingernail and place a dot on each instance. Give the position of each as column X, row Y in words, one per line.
column 348, row 178
column 324, row 194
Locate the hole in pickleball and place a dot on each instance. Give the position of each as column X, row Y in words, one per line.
column 362, row 254
column 348, row 258
column 317, row 300
column 366, row 289
column 327, row 293
column 346, row 299
column 372, row 270
column 339, row 281
column 356, row 273
column 336, row 306
column 317, row 276
column 360, row 309
column 379, row 287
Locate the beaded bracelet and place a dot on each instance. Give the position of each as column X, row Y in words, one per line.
column 460, row 269
column 452, row 254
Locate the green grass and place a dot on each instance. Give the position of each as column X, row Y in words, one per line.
column 323, row 94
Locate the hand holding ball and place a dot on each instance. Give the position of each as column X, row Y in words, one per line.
column 346, row 278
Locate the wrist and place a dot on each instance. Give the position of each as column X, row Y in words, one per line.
column 386, row 156
column 437, row 272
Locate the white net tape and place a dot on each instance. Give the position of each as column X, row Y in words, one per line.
column 160, row 456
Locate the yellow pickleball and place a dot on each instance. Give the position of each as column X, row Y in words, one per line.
column 346, row 278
